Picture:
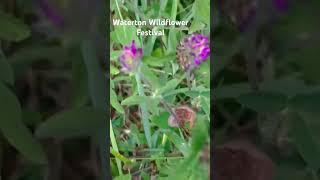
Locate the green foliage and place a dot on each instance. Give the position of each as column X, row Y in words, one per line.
column 264, row 101
column 114, row 102
column 6, row 72
column 201, row 9
column 148, row 97
column 79, row 83
column 82, row 121
column 12, row 29
column 44, row 70
column 286, row 102
column 304, row 142
column 123, row 177
column 14, row 130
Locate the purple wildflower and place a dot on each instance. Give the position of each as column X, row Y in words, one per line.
column 130, row 59
column 192, row 51
column 51, row 13
column 281, row 5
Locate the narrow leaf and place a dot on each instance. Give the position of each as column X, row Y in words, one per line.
column 114, row 101
column 77, row 122
column 14, row 130
column 304, row 142
column 6, row 72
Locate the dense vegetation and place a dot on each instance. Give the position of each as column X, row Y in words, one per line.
column 156, row 80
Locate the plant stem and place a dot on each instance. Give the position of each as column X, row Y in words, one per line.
column 164, row 139
column 143, row 109
column 118, row 8
column 155, row 158
column 144, row 4
column 115, row 147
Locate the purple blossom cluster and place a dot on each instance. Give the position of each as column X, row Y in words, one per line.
column 130, row 59
column 281, row 5
column 193, row 50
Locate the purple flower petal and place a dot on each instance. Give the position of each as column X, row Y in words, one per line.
column 281, row 5
column 51, row 13
column 131, row 57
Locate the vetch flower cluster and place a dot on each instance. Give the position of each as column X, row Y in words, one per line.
column 192, row 51
column 130, row 59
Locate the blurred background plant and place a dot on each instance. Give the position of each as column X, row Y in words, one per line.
column 147, row 142
column 53, row 94
column 266, row 89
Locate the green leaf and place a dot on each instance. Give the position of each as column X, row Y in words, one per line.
column 306, row 59
column 172, row 84
column 24, row 57
column 150, row 76
column 120, row 156
column 222, row 60
column 291, row 167
column 200, row 135
column 77, row 122
column 263, row 101
column 304, row 142
column 178, row 142
column 14, row 130
column 205, row 105
column 123, row 177
column 125, row 34
column 80, row 90
column 231, row 91
column 161, row 120
column 196, row 26
column 31, row 118
column 306, row 102
column 114, row 55
column 150, row 43
column 114, row 101
column 97, row 80
column 290, row 86
column 172, row 41
column 194, row 92
column 293, row 30
column 201, row 10
column 12, row 29
column 135, row 100
column 6, row 72
column 157, row 61
column 114, row 70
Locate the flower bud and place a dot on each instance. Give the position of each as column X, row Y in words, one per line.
column 130, row 59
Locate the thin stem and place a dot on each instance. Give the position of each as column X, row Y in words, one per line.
column 164, row 139
column 155, row 158
column 143, row 109
column 118, row 8
column 115, row 147
column 189, row 6
column 144, row 4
